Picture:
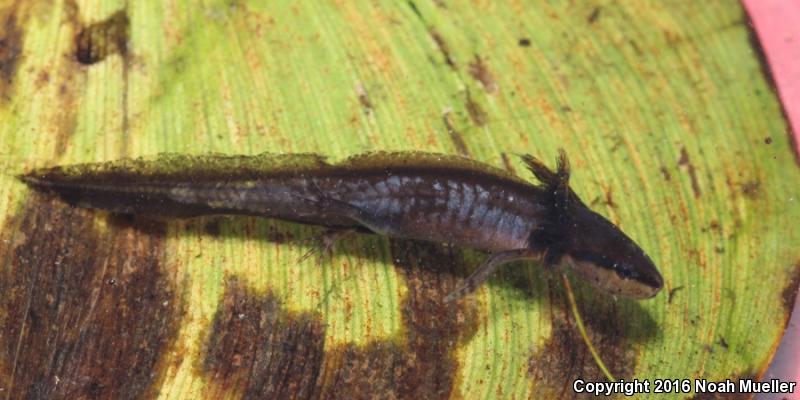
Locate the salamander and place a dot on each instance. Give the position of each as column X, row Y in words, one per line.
column 411, row 195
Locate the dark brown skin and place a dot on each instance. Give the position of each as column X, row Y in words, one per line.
column 407, row 195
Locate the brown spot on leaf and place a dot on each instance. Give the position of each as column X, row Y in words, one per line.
column 455, row 136
column 11, row 44
column 434, row 327
column 42, row 79
column 609, row 197
column 712, row 226
column 414, row 9
column 594, row 15
column 507, row 163
column 364, row 100
column 84, row 314
column 665, row 173
column 475, row 111
column 768, row 140
column 524, row 42
column 635, row 47
column 256, row 349
column 99, row 40
column 444, row 48
column 614, row 329
column 374, row 371
column 684, row 161
column 751, row 189
column 91, row 41
column 789, row 294
column 480, row 72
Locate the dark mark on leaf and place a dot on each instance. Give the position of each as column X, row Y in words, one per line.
column 455, row 136
column 507, row 163
column 414, row 9
column 565, row 357
column 435, row 328
column 422, row 364
column 618, row 141
column 443, row 47
column 480, row 72
column 789, row 294
column 363, row 99
column 594, row 15
column 475, row 111
column 665, row 173
column 42, row 79
column 101, row 39
column 609, row 198
column 88, row 309
column 11, row 45
column 684, row 161
column 768, row 140
column 253, row 348
column 751, row 189
column 524, row 42
column 635, row 47
column 373, row 371
column 256, row 349
column 672, row 292
column 712, row 226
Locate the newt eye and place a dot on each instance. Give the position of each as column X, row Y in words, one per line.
column 620, row 278
column 624, row 270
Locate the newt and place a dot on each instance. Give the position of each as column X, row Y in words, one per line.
column 411, row 195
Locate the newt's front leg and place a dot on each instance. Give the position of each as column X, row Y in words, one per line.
column 485, row 270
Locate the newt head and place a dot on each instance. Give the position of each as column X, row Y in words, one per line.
column 587, row 243
column 602, row 254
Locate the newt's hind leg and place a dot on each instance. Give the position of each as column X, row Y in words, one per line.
column 485, row 270
column 381, row 226
column 324, row 243
column 330, row 205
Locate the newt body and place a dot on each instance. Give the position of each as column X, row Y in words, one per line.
column 407, row 195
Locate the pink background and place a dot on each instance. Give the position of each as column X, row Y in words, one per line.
column 777, row 24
